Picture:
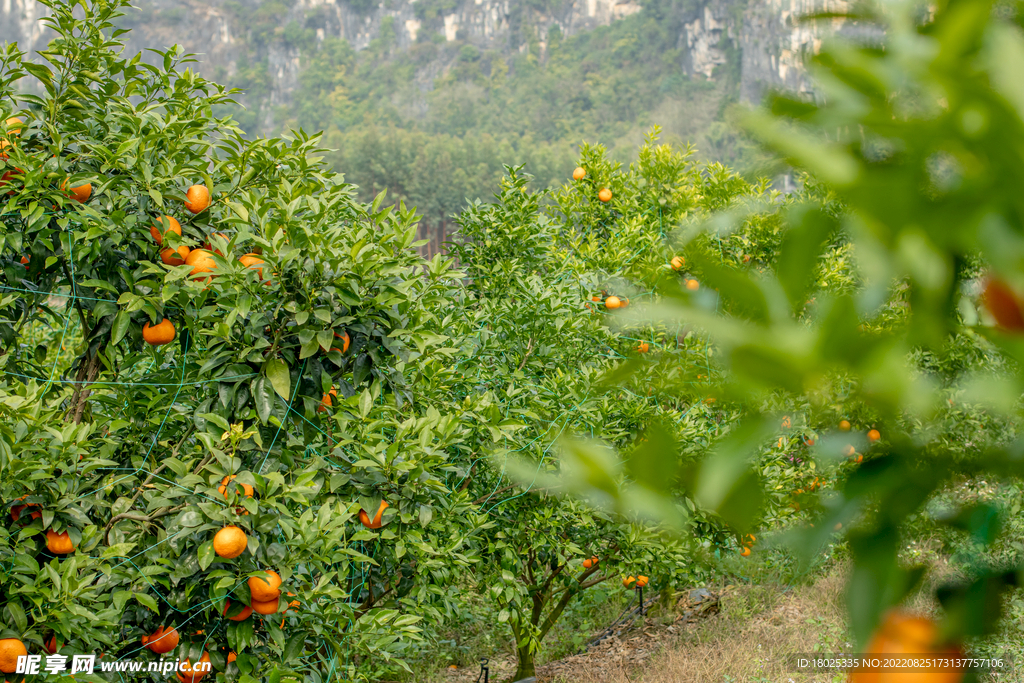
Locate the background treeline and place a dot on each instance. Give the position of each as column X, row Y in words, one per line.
column 433, row 124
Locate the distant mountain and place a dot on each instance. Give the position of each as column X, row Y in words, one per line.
column 236, row 35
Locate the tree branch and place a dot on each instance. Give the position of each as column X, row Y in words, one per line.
column 529, row 350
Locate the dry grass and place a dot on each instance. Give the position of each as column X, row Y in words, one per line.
column 752, row 640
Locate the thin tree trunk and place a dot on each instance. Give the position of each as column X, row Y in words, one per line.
column 87, row 371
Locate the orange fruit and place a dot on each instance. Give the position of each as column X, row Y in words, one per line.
column 692, row 285
column 346, row 340
column 643, row 347
column 579, row 173
column 605, row 195
column 677, row 262
column 24, row 262
column 376, row 523
column 164, row 225
column 326, row 401
column 16, row 509
column 909, row 635
column 1003, row 304
column 265, row 587
column 10, row 650
column 59, row 544
column 187, row 675
column 293, row 603
column 594, row 559
column 844, row 425
column 51, row 644
column 267, row 607
column 874, row 435
column 80, row 193
column 849, row 450
column 254, row 262
column 244, row 614
column 587, row 564
column 746, row 551
column 629, row 581
column 786, row 422
column 838, row 526
column 230, row 542
column 161, row 641
column 232, row 657
column 612, row 303
column 159, row 334
column 595, row 298
column 859, row 459
column 174, row 257
column 197, row 198
column 223, row 488
column 201, row 261
column 749, row 539
column 641, row 580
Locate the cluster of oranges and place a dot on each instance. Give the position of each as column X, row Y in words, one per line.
column 813, row 486
column 197, row 200
column 604, row 194
column 612, row 302
column 747, row 542
column 56, row 543
column 677, row 264
column 635, row 581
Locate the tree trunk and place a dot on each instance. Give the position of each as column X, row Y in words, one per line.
column 526, row 666
column 87, row 371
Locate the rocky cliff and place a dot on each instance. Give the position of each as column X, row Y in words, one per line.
column 763, row 39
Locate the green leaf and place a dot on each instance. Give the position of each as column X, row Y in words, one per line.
column 263, row 397
column 276, row 371
column 206, row 555
column 147, row 601
column 120, row 326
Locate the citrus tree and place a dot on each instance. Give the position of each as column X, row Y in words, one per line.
column 869, row 326
column 220, row 440
column 546, row 279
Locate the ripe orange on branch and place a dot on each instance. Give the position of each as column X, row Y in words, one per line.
column 161, row 641
column 197, row 198
column 345, row 339
column 201, row 261
column 230, row 542
column 376, row 522
column 874, row 435
column 266, row 606
column 164, row 225
column 174, row 257
column 80, row 193
column 692, row 285
column 253, row 262
column 605, row 195
column 59, row 544
column 187, row 675
column 265, row 587
column 844, row 425
column 159, row 334
column 579, row 173
column 677, row 262
column 223, row 488
column 244, row 614
column 613, row 302
column 10, row 650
